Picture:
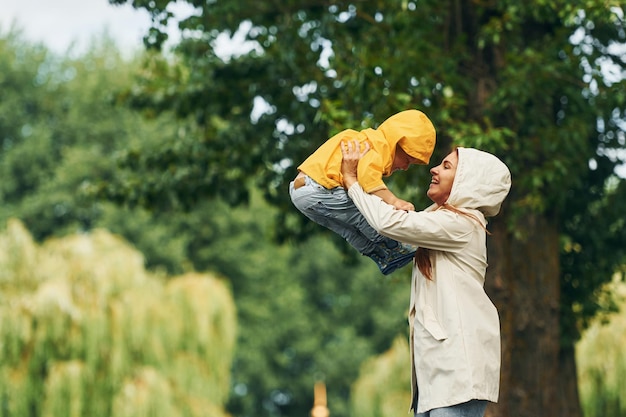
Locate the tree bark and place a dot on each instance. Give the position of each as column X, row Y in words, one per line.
column 568, row 383
column 498, row 287
column 523, row 281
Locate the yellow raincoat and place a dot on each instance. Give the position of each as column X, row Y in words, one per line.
column 409, row 129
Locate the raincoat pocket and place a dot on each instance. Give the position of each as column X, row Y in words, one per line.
column 431, row 324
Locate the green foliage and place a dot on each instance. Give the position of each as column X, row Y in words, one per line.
column 526, row 81
column 298, row 322
column 306, row 311
column 539, row 109
column 382, row 389
column 592, row 246
column 504, row 76
column 602, row 363
column 61, row 131
column 86, row 331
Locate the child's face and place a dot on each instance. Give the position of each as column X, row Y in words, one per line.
column 402, row 160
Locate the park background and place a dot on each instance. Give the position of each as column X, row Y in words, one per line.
column 152, row 264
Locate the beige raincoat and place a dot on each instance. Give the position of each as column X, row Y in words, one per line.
column 454, row 326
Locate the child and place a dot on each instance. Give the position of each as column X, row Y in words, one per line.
column 403, row 139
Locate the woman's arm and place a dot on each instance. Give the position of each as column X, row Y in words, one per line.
column 441, row 230
column 390, row 198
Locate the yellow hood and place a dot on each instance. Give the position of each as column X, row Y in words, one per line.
column 412, row 131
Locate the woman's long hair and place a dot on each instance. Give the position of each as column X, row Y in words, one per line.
column 422, row 255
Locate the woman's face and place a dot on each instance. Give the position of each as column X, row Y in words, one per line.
column 443, row 177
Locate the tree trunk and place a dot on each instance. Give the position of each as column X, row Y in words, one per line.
column 538, row 377
column 523, row 281
column 568, row 382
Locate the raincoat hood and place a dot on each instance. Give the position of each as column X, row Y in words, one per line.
column 482, row 182
column 413, row 131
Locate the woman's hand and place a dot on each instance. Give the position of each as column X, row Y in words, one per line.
column 404, row 205
column 352, row 153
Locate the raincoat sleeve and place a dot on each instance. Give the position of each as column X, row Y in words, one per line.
column 370, row 172
column 439, row 230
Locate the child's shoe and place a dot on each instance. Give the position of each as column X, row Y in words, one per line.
column 398, row 262
column 380, row 259
column 394, row 258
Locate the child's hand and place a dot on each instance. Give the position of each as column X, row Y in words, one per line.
column 404, row 205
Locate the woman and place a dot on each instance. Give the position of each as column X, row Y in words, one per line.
column 455, row 329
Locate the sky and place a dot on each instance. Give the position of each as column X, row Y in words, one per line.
column 65, row 24
column 61, row 24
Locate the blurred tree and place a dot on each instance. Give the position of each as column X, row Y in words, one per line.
column 539, row 83
column 320, row 327
column 60, row 130
column 381, row 390
column 295, row 331
column 86, row 331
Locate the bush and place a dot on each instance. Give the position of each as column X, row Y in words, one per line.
column 86, row 331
